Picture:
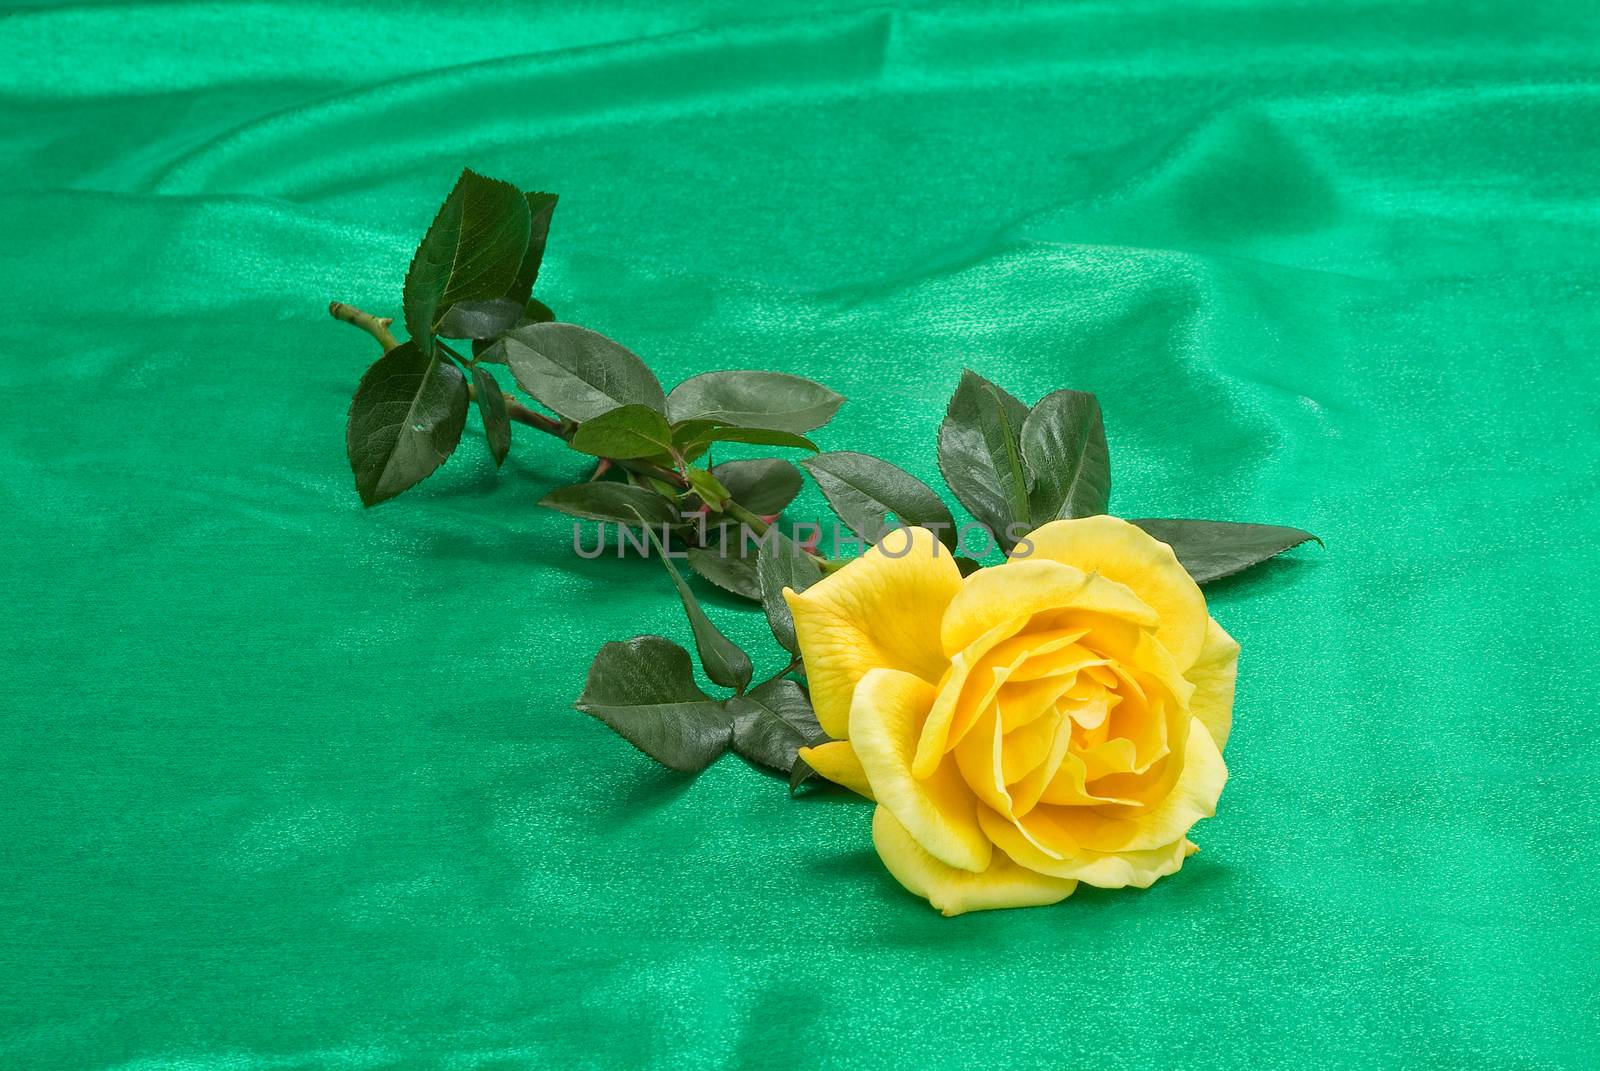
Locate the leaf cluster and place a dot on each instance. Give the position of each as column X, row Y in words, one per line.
column 644, row 688
column 1011, row 466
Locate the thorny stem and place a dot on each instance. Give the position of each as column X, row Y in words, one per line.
column 523, row 415
column 745, row 517
column 760, row 527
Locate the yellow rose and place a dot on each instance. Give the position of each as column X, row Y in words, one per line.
column 1054, row 719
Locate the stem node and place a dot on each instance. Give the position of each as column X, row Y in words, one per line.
column 377, row 327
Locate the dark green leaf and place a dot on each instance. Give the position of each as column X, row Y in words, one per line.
column 800, row 774
column 606, row 501
column 628, row 431
column 981, row 458
column 710, row 490
column 775, row 401
column 690, row 438
column 967, row 565
column 864, row 491
column 724, row 661
column 484, row 320
column 782, row 564
column 1214, row 549
column 471, row 252
column 579, row 373
column 405, row 418
column 491, row 348
column 1064, row 452
column 492, row 407
column 540, row 208
column 645, row 690
column 655, row 483
column 728, row 566
column 773, row 722
column 479, row 320
column 763, row 485
column 695, row 436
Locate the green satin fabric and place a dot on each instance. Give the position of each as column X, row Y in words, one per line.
column 290, row 784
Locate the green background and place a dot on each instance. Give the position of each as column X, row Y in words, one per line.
column 291, row 784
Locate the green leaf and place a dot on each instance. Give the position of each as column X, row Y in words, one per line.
column 661, row 487
column 775, row 401
column 1214, row 549
column 690, row 440
column 783, row 565
column 490, row 347
column 579, row 373
column 981, row 458
column 763, row 485
column 607, row 501
column 695, row 436
column 800, row 774
column 724, row 661
column 728, row 567
column 645, row 690
column 1065, row 455
column 864, row 491
column 472, row 252
column 541, row 206
column 707, row 486
column 405, row 419
column 773, row 722
column 628, row 431
column 480, row 320
column 485, row 320
column 492, row 407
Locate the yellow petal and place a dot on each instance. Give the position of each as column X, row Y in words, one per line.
column 978, row 757
column 1192, row 797
column 962, row 699
column 955, row 892
column 1129, row 555
column 881, row 611
column 1045, row 653
column 1108, row 758
column 1106, row 870
column 1213, row 676
column 940, row 811
column 1103, row 676
column 1068, row 785
column 1124, row 869
column 1134, row 651
column 1021, row 703
column 1026, row 791
column 1015, row 588
column 1090, row 712
column 836, row 760
column 1026, row 749
column 1010, row 773
column 1143, row 723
